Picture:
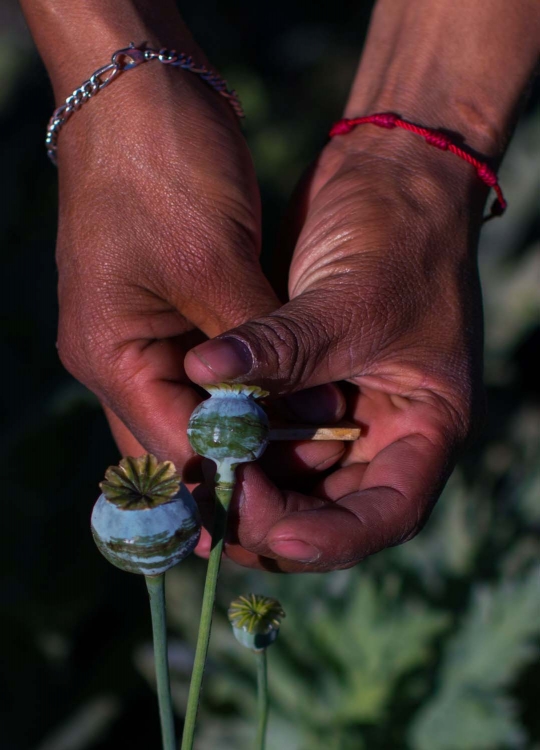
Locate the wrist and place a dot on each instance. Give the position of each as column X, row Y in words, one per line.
column 404, row 164
column 75, row 37
column 137, row 118
column 466, row 125
column 439, row 64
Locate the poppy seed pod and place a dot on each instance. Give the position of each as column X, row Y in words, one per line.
column 146, row 520
column 230, row 427
column 255, row 620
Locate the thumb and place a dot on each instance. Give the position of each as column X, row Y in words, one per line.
column 305, row 343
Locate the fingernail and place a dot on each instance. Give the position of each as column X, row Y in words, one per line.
column 327, row 462
column 227, row 358
column 294, row 549
column 324, row 403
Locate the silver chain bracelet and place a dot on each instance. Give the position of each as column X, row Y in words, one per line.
column 126, row 59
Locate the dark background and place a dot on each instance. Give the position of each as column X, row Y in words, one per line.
column 433, row 646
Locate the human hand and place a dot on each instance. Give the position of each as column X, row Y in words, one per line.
column 158, row 247
column 384, row 296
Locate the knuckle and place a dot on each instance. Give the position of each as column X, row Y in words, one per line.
column 291, row 347
column 70, row 349
column 92, row 319
column 81, row 349
column 464, row 410
column 413, row 524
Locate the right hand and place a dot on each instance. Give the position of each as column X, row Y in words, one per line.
column 158, row 245
column 158, row 249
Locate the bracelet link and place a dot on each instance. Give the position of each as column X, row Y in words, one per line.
column 122, row 60
column 129, row 57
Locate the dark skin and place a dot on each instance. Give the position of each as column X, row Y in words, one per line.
column 160, row 230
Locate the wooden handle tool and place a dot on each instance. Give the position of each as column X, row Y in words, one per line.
column 346, row 431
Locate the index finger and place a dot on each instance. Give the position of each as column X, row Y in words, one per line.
column 389, row 505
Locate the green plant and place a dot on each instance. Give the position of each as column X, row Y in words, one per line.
column 145, row 522
column 229, row 428
column 256, row 621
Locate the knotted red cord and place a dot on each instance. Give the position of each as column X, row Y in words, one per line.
column 433, row 138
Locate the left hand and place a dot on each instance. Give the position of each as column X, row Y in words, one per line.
column 384, row 296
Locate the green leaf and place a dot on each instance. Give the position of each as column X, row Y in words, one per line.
column 495, row 641
column 378, row 640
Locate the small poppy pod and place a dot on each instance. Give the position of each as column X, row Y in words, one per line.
column 230, row 427
column 255, row 620
column 146, row 520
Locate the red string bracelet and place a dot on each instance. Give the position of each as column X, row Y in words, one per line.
column 433, row 138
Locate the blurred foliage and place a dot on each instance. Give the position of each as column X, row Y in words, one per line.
column 430, row 646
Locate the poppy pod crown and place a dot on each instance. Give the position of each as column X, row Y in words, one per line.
column 146, row 520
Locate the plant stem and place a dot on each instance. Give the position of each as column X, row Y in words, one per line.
column 225, row 481
column 156, row 591
column 262, row 698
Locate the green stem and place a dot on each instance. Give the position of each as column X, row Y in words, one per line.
column 262, row 698
column 156, row 591
column 224, row 489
